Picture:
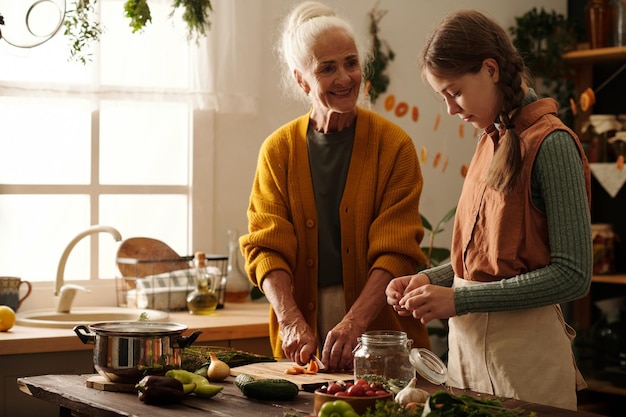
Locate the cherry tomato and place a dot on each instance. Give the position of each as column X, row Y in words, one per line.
column 334, row 388
column 370, row 393
column 381, row 392
column 362, row 382
column 356, row 391
column 341, row 394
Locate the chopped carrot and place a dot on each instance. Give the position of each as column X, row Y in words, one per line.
column 313, row 367
column 401, row 109
column 294, row 370
column 390, row 102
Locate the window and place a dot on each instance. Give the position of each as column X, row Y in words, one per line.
column 110, row 142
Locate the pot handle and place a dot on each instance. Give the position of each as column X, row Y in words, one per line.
column 186, row 341
column 84, row 334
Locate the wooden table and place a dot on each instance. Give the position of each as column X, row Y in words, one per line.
column 75, row 399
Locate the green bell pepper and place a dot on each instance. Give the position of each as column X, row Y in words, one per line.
column 203, row 387
column 337, row 408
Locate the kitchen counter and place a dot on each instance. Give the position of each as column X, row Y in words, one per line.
column 84, row 401
column 235, row 321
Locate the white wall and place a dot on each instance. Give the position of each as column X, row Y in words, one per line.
column 238, row 137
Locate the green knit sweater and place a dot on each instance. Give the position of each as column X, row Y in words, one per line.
column 558, row 189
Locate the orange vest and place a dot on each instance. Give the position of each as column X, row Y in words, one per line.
column 499, row 236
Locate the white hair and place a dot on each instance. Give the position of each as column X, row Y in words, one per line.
column 300, row 30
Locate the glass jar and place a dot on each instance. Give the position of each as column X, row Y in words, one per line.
column 385, row 354
column 598, row 23
column 618, row 24
column 237, row 283
column 603, row 248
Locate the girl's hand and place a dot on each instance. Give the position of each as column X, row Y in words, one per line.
column 429, row 302
column 399, row 287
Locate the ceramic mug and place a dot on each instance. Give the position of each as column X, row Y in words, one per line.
column 10, row 291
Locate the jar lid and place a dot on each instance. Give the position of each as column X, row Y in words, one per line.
column 428, row 365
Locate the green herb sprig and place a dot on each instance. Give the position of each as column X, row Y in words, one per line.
column 139, row 14
column 196, row 15
column 81, row 27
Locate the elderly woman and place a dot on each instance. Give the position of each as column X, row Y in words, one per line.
column 334, row 208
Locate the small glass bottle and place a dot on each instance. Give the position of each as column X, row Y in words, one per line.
column 598, row 23
column 384, row 353
column 202, row 300
column 237, row 283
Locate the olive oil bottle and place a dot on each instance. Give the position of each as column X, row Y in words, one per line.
column 202, row 300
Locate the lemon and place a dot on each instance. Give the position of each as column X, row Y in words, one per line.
column 7, row 318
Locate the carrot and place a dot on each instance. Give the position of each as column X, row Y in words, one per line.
column 390, row 101
column 415, row 114
column 402, row 109
column 313, row 368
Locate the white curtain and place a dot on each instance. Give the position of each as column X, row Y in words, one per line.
column 220, row 71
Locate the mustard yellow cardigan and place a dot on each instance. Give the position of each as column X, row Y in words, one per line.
column 380, row 220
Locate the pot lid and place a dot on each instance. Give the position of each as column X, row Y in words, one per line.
column 429, row 366
column 137, row 328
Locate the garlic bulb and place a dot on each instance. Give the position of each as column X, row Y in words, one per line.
column 411, row 394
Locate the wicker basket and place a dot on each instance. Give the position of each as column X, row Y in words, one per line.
column 165, row 291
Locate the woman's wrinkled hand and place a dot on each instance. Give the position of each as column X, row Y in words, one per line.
column 339, row 344
column 299, row 341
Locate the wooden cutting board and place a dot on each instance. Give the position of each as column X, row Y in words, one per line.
column 277, row 370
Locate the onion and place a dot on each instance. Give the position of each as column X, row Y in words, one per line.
column 218, row 370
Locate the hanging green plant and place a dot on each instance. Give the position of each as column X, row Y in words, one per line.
column 542, row 38
column 83, row 27
column 376, row 79
column 196, row 15
column 435, row 255
column 138, row 12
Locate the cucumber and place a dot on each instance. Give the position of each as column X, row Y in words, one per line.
column 266, row 389
column 242, row 379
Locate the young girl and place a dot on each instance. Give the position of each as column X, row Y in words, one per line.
column 522, row 233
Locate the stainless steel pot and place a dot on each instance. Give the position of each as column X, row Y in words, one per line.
column 124, row 352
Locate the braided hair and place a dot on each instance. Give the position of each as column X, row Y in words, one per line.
column 458, row 46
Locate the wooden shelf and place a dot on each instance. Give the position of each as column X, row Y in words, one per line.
column 610, row 279
column 598, row 55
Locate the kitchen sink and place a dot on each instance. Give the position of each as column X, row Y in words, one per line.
column 84, row 316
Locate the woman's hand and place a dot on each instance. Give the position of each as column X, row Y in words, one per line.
column 399, row 287
column 339, row 344
column 299, row 341
column 428, row 302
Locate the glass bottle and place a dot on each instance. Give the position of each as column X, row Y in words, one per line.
column 618, row 24
column 384, row 353
column 202, row 300
column 237, row 283
column 598, row 23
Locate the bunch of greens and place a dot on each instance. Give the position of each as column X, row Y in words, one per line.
column 81, row 27
column 138, row 12
column 195, row 357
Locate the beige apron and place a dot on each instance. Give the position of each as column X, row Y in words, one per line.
column 522, row 354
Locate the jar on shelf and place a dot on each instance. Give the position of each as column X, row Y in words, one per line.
column 598, row 23
column 603, row 248
column 384, row 354
column 618, row 22
column 601, row 128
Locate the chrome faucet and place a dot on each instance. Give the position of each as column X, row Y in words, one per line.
column 65, row 293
